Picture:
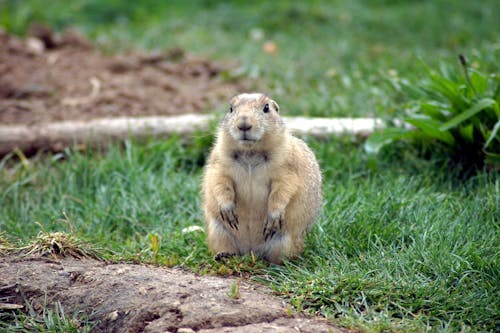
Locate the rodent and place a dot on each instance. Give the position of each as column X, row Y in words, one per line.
column 262, row 187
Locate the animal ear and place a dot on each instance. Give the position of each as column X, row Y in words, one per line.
column 275, row 106
column 233, row 100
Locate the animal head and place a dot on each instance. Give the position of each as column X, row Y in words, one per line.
column 253, row 119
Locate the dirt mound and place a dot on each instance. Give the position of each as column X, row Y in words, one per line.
column 139, row 298
column 46, row 78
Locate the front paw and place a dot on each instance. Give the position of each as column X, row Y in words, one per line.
column 274, row 224
column 228, row 215
column 223, row 255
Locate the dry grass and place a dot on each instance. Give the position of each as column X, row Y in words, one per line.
column 5, row 245
column 59, row 244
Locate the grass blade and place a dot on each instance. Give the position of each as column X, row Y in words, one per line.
column 434, row 110
column 448, row 89
column 492, row 158
column 431, row 128
column 467, row 133
column 476, row 108
column 378, row 140
column 479, row 81
column 493, row 134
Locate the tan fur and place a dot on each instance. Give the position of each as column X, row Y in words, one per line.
column 261, row 186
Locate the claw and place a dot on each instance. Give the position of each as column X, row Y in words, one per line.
column 235, row 221
column 230, row 217
column 223, row 255
column 272, row 226
column 269, row 235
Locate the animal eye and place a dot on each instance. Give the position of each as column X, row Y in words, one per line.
column 230, row 109
column 266, row 108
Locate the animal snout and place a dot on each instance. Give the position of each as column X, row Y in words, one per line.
column 244, row 125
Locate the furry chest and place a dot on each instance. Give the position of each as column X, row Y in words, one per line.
column 251, row 178
column 250, row 159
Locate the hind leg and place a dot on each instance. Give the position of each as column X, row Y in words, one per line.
column 280, row 247
column 287, row 242
column 220, row 241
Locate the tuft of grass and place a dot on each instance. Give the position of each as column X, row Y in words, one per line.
column 58, row 244
column 459, row 112
column 5, row 245
column 243, row 267
column 234, row 291
column 54, row 320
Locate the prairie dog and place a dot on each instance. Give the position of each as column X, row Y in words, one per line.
column 261, row 186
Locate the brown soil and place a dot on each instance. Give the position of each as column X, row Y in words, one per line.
column 46, row 78
column 140, row 298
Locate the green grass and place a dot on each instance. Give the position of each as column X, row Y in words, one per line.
column 399, row 245
column 116, row 201
column 50, row 320
column 402, row 243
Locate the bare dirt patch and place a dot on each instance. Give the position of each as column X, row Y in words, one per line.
column 47, row 78
column 140, row 298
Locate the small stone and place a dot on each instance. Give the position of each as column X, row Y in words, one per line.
column 185, row 330
column 35, row 45
column 64, row 273
column 112, row 316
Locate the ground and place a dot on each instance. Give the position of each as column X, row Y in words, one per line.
column 117, row 297
column 62, row 77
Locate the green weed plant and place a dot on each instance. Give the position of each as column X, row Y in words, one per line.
column 459, row 112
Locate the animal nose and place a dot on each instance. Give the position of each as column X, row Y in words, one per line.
column 244, row 126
